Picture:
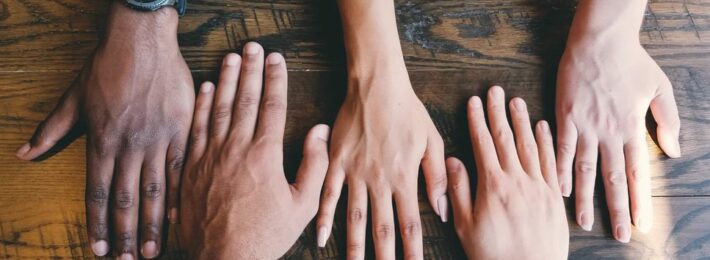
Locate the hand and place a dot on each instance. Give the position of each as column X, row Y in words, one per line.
column 381, row 136
column 518, row 212
column 236, row 201
column 603, row 93
column 135, row 98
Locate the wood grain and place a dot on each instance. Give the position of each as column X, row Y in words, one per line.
column 454, row 49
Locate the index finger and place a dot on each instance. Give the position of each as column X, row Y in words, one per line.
column 486, row 161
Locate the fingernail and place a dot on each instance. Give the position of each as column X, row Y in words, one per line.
column 100, row 248
column 452, row 166
column 322, row 236
column 496, row 92
column 675, row 149
column 274, row 59
column 443, row 206
column 126, row 256
column 206, row 87
column 23, row 150
column 564, row 188
column 323, row 132
column 251, row 48
column 232, row 59
column 475, row 102
column 173, row 216
column 149, row 249
column 519, row 105
column 544, row 127
column 623, row 233
column 585, row 221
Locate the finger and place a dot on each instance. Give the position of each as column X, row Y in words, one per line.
column 272, row 115
column 152, row 203
column 200, row 122
column 224, row 101
column 329, row 200
column 125, row 204
column 566, row 148
column 524, row 138
column 434, row 167
column 382, row 223
column 175, row 162
column 639, row 177
column 500, row 130
column 486, row 161
column 357, row 220
column 99, row 172
column 314, row 166
column 460, row 190
column 547, row 155
column 586, row 171
column 57, row 125
column 617, row 191
column 665, row 112
column 410, row 224
column 247, row 105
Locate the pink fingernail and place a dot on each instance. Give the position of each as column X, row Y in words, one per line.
column 126, row 256
column 623, row 233
column 443, row 205
column 173, row 216
column 585, row 221
column 149, row 249
column 322, row 236
column 23, row 150
column 100, row 248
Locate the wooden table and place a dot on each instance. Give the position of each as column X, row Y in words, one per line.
column 453, row 49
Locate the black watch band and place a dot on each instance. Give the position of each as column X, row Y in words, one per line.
column 153, row 5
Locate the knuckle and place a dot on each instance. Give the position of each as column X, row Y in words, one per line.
column 97, row 195
column 126, row 241
column 151, row 230
column 356, row 216
column 247, row 100
column 616, row 178
column 329, row 194
column 273, row 104
column 565, row 148
column 221, row 112
column 458, row 186
column 177, row 162
column 124, row 199
column 501, row 133
column 384, row 232
column 99, row 229
column 586, row 168
column 153, row 190
column 634, row 174
column 411, row 228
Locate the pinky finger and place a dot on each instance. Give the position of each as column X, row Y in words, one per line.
column 547, row 155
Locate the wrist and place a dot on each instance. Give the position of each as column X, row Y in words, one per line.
column 125, row 25
column 606, row 22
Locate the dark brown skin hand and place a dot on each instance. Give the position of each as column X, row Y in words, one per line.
column 236, row 201
column 135, row 97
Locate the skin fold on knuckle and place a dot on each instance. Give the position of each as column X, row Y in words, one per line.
column 384, row 232
column 124, row 199
column 616, row 178
column 585, row 168
column 410, row 229
column 97, row 195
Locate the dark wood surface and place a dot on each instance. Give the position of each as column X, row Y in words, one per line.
column 453, row 49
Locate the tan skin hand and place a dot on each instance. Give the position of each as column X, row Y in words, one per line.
column 605, row 86
column 135, row 97
column 380, row 138
column 518, row 212
column 236, row 202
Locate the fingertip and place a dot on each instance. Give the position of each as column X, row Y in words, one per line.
column 322, row 132
column 252, row 48
column 22, row 151
column 206, row 87
column 173, row 216
column 669, row 142
column 100, row 248
column 274, row 58
column 453, row 165
column 543, row 127
column 496, row 92
column 232, row 59
column 322, row 236
column 474, row 102
column 518, row 104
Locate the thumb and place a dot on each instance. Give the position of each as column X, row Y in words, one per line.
column 53, row 128
column 434, row 167
column 311, row 174
column 665, row 112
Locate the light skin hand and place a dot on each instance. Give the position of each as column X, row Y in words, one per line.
column 236, row 201
column 135, row 97
column 518, row 212
column 606, row 83
column 381, row 137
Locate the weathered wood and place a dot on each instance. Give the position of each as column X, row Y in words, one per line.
column 58, row 35
column 453, row 49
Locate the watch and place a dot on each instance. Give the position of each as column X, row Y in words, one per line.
column 153, row 5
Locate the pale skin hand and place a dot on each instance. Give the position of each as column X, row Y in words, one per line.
column 606, row 83
column 381, row 137
column 135, row 97
column 518, row 212
column 236, row 201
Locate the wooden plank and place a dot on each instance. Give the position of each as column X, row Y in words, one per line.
column 58, row 35
column 42, row 203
